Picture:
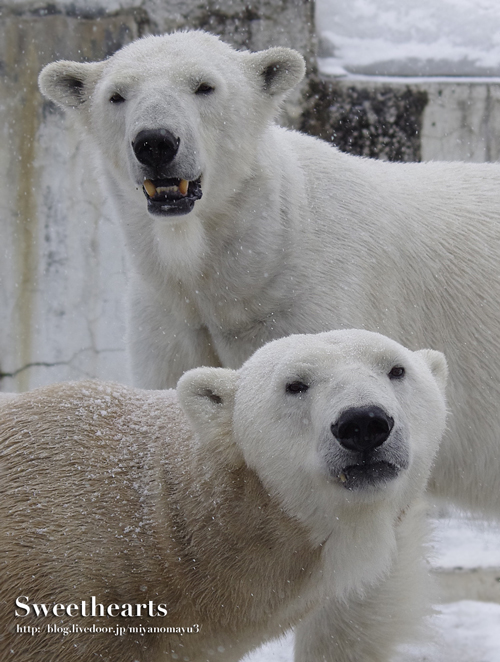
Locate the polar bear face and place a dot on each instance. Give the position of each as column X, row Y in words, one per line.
column 171, row 114
column 350, row 416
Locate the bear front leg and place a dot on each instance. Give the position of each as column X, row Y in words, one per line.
column 163, row 343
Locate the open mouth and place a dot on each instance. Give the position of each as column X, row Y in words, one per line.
column 171, row 197
column 368, row 474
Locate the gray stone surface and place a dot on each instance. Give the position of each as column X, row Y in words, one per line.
column 412, row 119
column 379, row 121
column 63, row 273
column 60, row 271
column 461, row 121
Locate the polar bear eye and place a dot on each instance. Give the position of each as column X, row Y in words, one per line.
column 296, row 387
column 204, row 89
column 116, row 98
column 398, row 372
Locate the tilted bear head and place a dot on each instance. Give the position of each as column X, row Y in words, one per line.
column 345, row 417
column 172, row 114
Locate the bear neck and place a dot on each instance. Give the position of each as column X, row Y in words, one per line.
column 246, row 565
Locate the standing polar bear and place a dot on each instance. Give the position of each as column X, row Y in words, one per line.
column 240, row 232
column 227, row 509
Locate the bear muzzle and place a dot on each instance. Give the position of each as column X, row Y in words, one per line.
column 362, row 429
column 364, row 458
column 171, row 196
column 156, row 149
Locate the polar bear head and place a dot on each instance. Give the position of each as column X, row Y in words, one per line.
column 345, row 417
column 172, row 115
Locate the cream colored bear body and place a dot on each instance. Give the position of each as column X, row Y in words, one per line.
column 230, row 503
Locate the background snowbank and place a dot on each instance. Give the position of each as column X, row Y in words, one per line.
column 408, row 38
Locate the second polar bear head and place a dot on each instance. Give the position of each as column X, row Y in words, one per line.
column 172, row 114
column 348, row 415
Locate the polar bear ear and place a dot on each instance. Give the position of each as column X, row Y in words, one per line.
column 437, row 364
column 207, row 397
column 69, row 84
column 277, row 69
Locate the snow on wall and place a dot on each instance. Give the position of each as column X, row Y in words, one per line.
column 60, row 272
column 408, row 38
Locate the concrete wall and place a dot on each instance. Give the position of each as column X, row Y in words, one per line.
column 408, row 119
column 63, row 272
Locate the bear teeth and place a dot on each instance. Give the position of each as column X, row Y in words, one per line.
column 166, row 189
column 150, row 187
column 153, row 190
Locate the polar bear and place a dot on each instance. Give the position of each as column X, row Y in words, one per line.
column 223, row 511
column 240, row 232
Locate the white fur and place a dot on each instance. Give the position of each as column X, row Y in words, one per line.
column 344, row 369
column 375, row 600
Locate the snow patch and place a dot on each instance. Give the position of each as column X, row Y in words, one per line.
column 398, row 38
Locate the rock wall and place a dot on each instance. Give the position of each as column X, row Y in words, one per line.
column 63, row 273
column 407, row 119
column 382, row 121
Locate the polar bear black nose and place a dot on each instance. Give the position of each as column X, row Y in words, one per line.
column 362, row 428
column 155, row 147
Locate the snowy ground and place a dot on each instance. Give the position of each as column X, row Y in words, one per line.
column 409, row 37
column 464, row 631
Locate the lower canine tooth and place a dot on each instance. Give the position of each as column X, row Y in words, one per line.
column 150, row 187
column 183, row 186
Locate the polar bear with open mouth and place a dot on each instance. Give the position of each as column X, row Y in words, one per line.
column 240, row 232
column 231, row 506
